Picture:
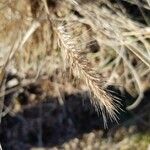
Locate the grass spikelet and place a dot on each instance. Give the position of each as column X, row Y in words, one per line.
column 103, row 102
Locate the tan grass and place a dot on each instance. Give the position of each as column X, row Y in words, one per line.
column 123, row 42
column 95, row 82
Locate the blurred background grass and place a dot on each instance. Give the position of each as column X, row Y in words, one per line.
column 113, row 35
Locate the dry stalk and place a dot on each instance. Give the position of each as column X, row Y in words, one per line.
column 103, row 101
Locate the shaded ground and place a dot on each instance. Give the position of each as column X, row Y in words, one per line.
column 50, row 122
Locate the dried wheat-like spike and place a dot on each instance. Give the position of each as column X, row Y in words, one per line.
column 102, row 101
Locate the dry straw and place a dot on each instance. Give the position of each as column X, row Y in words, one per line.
column 124, row 42
column 103, row 101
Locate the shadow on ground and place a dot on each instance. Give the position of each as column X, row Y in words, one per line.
column 50, row 122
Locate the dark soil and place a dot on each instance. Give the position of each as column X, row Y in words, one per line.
column 49, row 123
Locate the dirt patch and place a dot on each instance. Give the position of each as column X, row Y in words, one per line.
column 48, row 122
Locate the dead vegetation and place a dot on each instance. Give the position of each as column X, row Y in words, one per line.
column 77, row 43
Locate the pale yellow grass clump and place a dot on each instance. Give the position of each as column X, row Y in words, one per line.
column 30, row 31
column 80, row 65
